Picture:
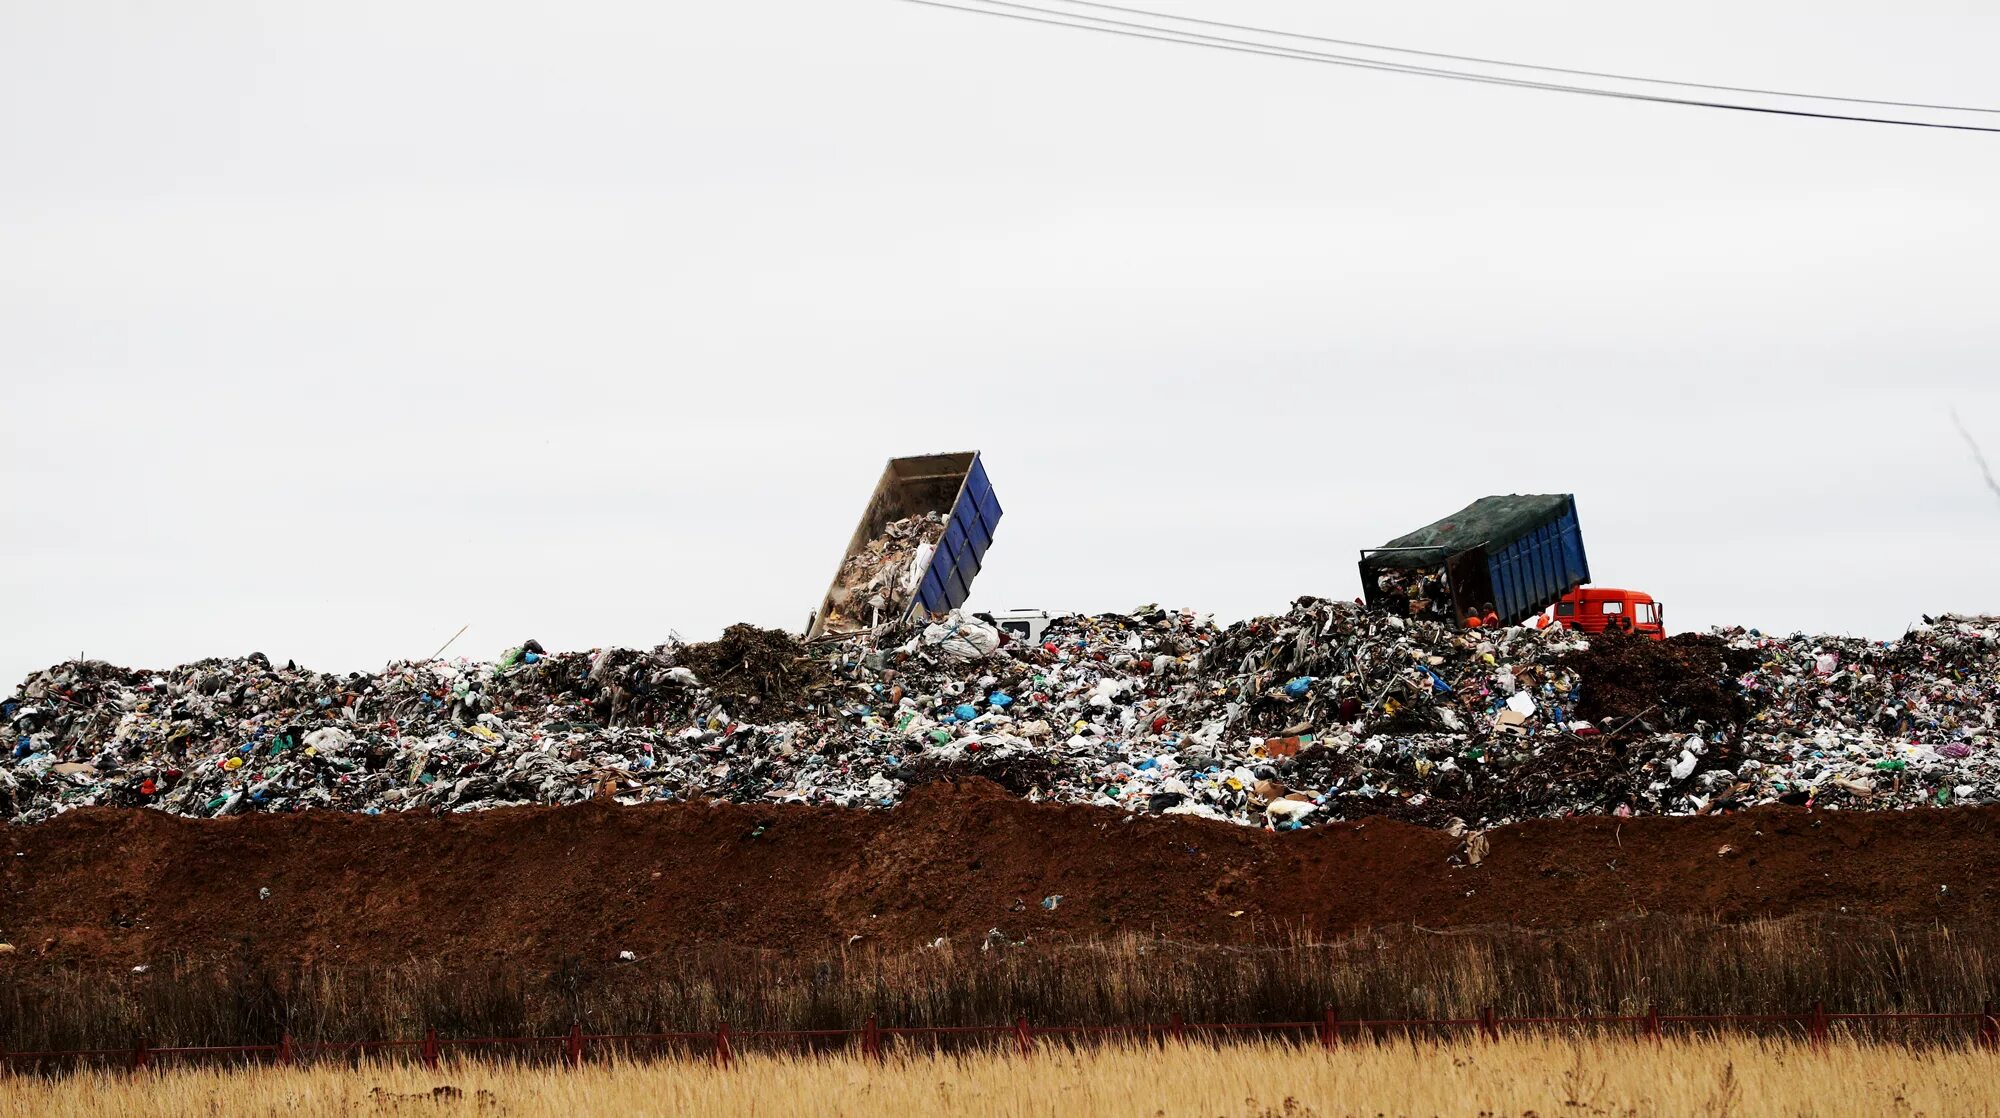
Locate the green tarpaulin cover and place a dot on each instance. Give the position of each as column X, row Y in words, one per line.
column 1492, row 522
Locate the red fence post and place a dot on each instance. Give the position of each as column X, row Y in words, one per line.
column 1177, row 1028
column 1329, row 1030
column 1489, row 1023
column 285, row 1050
column 1816, row 1024
column 1025, row 1034
column 871, row 1040
column 573, row 1048
column 140, row 1057
column 722, row 1055
column 1653, row 1022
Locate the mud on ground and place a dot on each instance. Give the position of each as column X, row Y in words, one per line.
column 534, row 886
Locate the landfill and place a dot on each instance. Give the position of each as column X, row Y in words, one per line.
column 1328, row 711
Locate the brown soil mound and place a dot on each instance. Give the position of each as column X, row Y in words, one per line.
column 1021, row 774
column 762, row 665
column 536, row 885
column 1670, row 683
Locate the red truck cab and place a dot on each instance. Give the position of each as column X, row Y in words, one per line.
column 1593, row 609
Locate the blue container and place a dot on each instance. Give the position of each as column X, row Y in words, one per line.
column 1522, row 552
column 1531, row 573
column 967, row 535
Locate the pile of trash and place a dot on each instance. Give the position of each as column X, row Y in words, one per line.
column 1328, row 711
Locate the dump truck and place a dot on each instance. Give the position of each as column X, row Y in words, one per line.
column 1520, row 552
column 920, row 543
column 1593, row 609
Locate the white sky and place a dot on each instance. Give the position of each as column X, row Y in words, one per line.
column 329, row 328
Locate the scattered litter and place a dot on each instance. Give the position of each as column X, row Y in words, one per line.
column 1325, row 712
column 1476, row 847
column 1285, row 814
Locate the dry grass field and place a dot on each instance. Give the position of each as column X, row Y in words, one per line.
column 1681, row 964
column 1516, row 1078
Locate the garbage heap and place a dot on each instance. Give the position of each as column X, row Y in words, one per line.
column 1327, row 711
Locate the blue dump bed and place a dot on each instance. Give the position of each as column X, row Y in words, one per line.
column 967, row 535
column 954, row 486
column 1520, row 552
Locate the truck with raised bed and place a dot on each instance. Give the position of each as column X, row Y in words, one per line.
column 1520, row 553
column 921, row 541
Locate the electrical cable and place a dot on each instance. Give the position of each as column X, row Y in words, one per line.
column 1240, row 46
column 1522, row 65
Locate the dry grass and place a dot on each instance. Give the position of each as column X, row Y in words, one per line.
column 1685, row 965
column 1743, row 1078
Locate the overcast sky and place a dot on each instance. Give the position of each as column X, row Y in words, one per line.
column 330, row 328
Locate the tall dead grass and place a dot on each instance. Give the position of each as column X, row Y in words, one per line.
column 1739, row 1078
column 1680, row 964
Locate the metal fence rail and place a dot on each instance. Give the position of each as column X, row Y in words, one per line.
column 872, row 1039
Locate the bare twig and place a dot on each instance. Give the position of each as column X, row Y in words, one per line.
column 454, row 637
column 1634, row 718
column 1985, row 471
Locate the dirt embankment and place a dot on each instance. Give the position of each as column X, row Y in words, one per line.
column 537, row 885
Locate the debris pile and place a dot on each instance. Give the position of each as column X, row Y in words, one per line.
column 878, row 580
column 1328, row 711
column 749, row 666
column 1687, row 676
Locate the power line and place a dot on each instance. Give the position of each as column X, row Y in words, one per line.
column 1191, row 38
column 1196, row 38
column 1240, row 46
column 1522, row 65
